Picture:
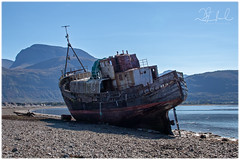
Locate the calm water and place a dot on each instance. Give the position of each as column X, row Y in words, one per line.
column 218, row 119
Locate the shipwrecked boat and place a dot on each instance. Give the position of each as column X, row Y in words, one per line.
column 119, row 91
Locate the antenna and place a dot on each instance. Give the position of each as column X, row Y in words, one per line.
column 67, row 34
column 70, row 46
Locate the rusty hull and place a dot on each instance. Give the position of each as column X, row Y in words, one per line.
column 138, row 107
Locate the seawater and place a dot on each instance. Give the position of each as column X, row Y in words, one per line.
column 217, row 119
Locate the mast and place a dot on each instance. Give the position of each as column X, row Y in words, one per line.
column 70, row 46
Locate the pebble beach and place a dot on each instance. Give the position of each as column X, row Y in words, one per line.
column 49, row 137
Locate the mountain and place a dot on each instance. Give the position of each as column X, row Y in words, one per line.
column 58, row 63
column 213, row 87
column 38, row 53
column 24, row 85
column 7, row 63
column 34, row 76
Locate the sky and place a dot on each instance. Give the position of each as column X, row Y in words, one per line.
column 190, row 37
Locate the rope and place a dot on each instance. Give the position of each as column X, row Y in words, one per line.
column 100, row 109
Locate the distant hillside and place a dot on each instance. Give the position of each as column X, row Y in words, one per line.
column 213, row 87
column 30, row 86
column 34, row 75
column 7, row 63
column 58, row 63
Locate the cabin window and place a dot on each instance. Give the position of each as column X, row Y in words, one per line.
column 144, row 72
column 154, row 74
column 120, row 77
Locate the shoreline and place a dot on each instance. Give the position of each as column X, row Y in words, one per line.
column 51, row 115
column 32, row 109
column 45, row 136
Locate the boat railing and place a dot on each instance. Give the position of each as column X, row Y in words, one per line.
column 81, row 75
column 143, row 62
column 74, row 71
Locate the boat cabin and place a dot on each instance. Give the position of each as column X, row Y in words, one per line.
column 115, row 73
